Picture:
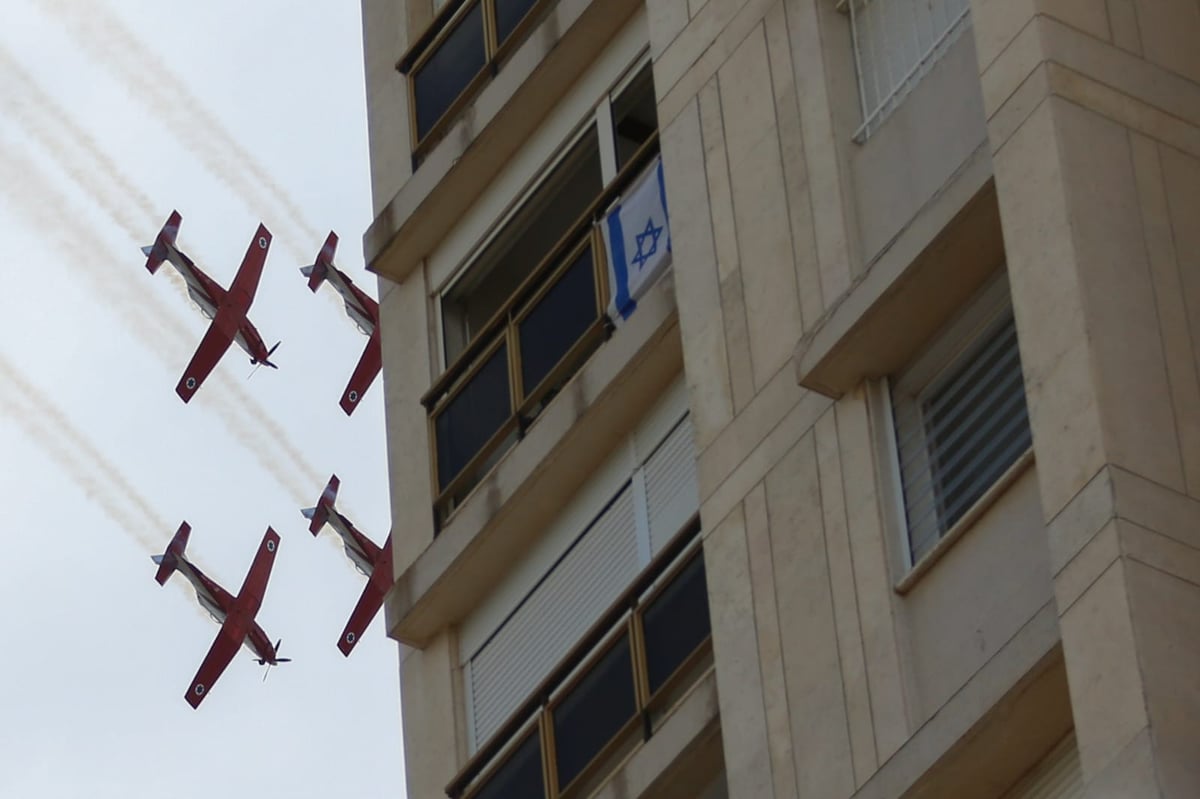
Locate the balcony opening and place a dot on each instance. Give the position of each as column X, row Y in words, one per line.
column 540, row 223
column 634, row 115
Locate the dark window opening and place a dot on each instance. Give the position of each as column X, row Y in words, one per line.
column 521, row 775
column 676, row 623
column 594, row 712
column 446, row 74
column 559, row 318
column 509, row 14
column 634, row 115
column 469, row 420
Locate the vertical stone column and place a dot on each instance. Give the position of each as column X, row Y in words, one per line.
column 1094, row 119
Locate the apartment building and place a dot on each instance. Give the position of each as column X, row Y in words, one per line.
column 791, row 398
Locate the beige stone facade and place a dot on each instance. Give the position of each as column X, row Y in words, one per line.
column 829, row 259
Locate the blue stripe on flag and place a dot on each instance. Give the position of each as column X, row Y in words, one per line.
column 616, row 239
column 662, row 196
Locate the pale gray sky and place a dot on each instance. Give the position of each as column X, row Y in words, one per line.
column 113, row 112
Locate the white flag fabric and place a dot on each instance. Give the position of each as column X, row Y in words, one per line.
column 638, row 239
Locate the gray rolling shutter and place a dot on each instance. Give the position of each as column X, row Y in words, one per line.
column 672, row 491
column 553, row 616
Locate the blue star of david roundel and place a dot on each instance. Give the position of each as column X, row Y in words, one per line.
column 651, row 233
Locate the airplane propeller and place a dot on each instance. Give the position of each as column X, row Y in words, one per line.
column 268, row 664
column 265, row 361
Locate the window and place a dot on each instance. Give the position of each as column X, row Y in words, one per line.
column 605, row 696
column 450, row 60
column 522, row 244
column 593, row 711
column 631, row 527
column 961, row 419
column 895, row 43
column 529, row 308
column 520, row 774
column 450, row 67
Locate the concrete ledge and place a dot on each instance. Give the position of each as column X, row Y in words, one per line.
column 501, row 517
column 953, row 245
column 682, row 757
column 997, row 726
column 489, row 130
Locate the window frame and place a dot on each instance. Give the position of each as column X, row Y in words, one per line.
column 622, row 620
column 503, row 221
column 445, row 20
column 982, row 316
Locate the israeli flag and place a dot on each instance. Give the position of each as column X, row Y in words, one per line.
column 638, row 239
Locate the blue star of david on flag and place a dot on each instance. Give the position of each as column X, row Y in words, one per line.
column 637, row 235
column 652, row 233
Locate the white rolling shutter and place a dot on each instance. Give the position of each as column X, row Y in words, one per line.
column 656, row 499
column 555, row 614
column 672, row 491
column 1057, row 777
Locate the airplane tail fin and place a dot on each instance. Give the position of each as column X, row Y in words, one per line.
column 320, row 514
column 318, row 271
column 156, row 253
column 168, row 562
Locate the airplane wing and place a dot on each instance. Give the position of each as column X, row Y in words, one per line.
column 370, row 602
column 255, row 585
column 219, row 655
column 233, row 631
column 245, row 283
column 364, row 374
column 220, row 335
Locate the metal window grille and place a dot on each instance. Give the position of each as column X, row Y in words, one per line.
column 960, row 434
column 895, row 43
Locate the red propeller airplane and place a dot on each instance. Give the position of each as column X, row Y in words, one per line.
column 359, row 307
column 373, row 561
column 227, row 309
column 234, row 614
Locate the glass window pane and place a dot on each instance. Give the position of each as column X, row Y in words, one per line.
column 560, row 318
column 442, row 78
column 520, row 776
column 594, row 712
column 509, row 14
column 473, row 416
column 676, row 622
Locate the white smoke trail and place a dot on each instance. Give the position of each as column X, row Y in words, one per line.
column 100, row 480
column 150, row 80
column 84, row 161
column 155, row 328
